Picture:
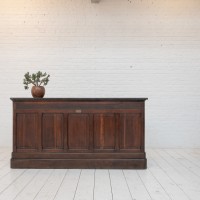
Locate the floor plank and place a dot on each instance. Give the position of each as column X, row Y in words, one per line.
column 190, row 188
column 119, row 186
column 49, row 190
column 190, row 165
column 9, row 178
column 68, row 187
column 85, row 189
column 18, row 185
column 102, row 189
column 4, row 170
column 181, row 168
column 136, row 186
column 189, row 156
column 154, row 188
column 172, row 189
column 32, row 189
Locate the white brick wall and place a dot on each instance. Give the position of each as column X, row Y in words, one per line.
column 117, row 48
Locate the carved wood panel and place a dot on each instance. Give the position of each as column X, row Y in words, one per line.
column 78, row 131
column 52, row 131
column 130, row 131
column 104, row 131
column 26, row 131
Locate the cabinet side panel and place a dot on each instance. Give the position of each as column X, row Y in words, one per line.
column 52, row 131
column 26, row 131
column 130, row 131
column 78, row 131
column 104, row 131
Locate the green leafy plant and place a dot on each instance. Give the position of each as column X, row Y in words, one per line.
column 37, row 79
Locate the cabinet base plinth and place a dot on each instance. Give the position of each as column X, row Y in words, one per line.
column 79, row 163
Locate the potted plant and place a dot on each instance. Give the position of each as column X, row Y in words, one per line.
column 38, row 80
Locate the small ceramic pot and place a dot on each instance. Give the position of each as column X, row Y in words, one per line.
column 38, row 91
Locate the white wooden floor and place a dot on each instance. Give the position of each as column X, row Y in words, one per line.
column 171, row 174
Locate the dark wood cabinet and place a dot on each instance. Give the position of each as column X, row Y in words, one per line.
column 78, row 133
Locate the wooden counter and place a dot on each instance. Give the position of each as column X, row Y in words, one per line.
column 78, row 133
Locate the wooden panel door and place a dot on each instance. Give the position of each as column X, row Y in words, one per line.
column 26, row 131
column 52, row 131
column 104, row 131
column 131, row 131
column 78, row 131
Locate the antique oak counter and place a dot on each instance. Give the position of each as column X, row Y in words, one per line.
column 79, row 133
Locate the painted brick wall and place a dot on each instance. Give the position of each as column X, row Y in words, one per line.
column 117, row 48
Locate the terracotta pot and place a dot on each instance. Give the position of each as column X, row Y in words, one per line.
column 38, row 91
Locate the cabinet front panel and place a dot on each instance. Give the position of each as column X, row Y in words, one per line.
column 52, row 131
column 26, row 132
column 104, row 131
column 130, row 131
column 78, row 131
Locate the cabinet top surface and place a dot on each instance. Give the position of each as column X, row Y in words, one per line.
column 75, row 99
